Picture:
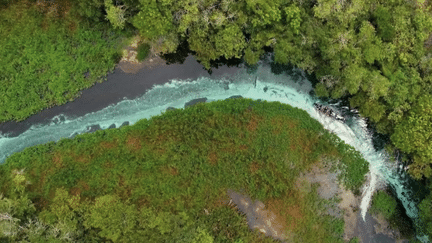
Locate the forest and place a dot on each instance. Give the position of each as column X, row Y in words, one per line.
column 375, row 53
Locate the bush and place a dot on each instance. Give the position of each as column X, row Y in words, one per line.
column 384, row 203
column 143, row 51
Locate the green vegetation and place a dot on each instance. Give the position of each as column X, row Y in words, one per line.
column 354, row 240
column 426, row 215
column 143, row 51
column 44, row 60
column 383, row 203
column 157, row 179
column 375, row 53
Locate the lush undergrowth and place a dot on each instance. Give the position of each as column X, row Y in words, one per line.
column 157, row 178
column 47, row 58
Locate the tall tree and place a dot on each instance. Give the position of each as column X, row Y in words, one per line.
column 413, row 135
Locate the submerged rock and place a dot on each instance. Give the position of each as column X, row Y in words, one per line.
column 328, row 112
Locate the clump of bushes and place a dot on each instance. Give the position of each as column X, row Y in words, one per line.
column 385, row 204
column 143, row 51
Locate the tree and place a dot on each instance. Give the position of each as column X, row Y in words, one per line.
column 152, row 21
column 425, row 215
column 262, row 13
column 16, row 209
column 413, row 135
column 385, row 27
column 354, row 76
column 293, row 17
column 63, row 216
column 230, row 41
column 115, row 14
column 89, row 9
column 114, row 218
column 165, row 225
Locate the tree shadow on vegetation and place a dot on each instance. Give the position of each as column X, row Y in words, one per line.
column 183, row 52
column 179, row 56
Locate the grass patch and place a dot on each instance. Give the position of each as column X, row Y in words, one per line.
column 166, row 179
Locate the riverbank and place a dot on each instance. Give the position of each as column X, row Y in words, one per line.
column 118, row 86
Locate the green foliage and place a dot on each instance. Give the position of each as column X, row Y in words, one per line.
column 425, row 215
column 115, row 14
column 321, row 91
column 354, row 76
column 385, row 27
column 143, row 51
column 202, row 236
column 370, row 108
column 152, row 21
column 354, row 240
column 178, row 227
column 15, row 210
column 423, row 25
column 383, row 203
column 285, row 51
column 230, row 42
column 90, row 10
column 114, row 218
column 45, row 67
column 293, row 18
column 412, row 136
column 353, row 166
column 263, row 12
column 373, row 51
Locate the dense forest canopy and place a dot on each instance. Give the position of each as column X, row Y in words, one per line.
column 374, row 52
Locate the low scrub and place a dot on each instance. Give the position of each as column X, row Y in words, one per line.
column 166, row 179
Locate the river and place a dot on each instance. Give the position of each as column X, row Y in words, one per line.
column 126, row 98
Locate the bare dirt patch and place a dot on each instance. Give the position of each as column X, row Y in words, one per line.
column 130, row 64
column 383, row 227
column 271, row 221
column 57, row 160
column 212, row 157
column 108, row 145
column 133, row 143
column 169, row 170
column 330, row 188
column 254, row 166
column 280, row 219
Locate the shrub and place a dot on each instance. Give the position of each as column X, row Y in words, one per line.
column 143, row 51
column 384, row 203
